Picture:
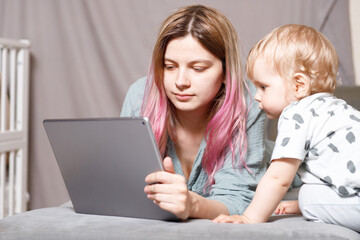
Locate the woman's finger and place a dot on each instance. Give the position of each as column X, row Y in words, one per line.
column 176, row 203
column 167, row 206
column 161, row 197
column 175, row 209
column 220, row 218
column 165, row 188
column 164, row 177
column 168, row 165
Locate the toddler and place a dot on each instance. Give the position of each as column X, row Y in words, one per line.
column 294, row 69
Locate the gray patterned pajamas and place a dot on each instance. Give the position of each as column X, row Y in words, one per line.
column 324, row 133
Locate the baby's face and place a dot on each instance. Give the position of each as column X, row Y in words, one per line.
column 273, row 92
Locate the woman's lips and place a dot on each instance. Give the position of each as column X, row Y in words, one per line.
column 183, row 97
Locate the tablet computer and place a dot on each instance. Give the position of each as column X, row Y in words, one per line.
column 104, row 162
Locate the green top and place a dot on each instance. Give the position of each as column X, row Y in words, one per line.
column 234, row 188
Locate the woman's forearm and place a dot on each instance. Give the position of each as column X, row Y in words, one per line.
column 206, row 208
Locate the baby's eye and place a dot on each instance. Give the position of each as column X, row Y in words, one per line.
column 261, row 88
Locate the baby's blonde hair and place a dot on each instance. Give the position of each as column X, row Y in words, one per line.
column 292, row 49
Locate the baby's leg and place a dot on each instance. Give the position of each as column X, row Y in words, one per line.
column 288, row 207
column 320, row 203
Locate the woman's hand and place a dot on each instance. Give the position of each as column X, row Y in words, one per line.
column 231, row 219
column 169, row 191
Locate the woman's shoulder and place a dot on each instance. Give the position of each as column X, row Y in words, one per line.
column 133, row 99
column 138, row 87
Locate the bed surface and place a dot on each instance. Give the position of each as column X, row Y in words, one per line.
column 63, row 223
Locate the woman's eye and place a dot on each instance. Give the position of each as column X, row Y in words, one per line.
column 169, row 67
column 199, row 69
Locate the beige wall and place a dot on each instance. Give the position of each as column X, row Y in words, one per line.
column 355, row 35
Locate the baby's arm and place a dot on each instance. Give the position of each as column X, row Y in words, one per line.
column 288, row 207
column 269, row 193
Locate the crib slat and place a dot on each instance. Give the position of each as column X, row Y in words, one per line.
column 12, row 97
column 11, row 183
column 3, row 89
column 2, row 184
column 20, row 199
column 20, row 89
column 22, row 97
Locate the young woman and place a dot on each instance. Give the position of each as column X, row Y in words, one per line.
column 204, row 118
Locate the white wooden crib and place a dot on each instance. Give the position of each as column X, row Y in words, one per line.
column 14, row 105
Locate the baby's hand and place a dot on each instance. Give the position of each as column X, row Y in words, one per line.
column 231, row 219
column 288, row 207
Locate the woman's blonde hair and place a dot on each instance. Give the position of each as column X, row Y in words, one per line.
column 226, row 128
column 292, row 49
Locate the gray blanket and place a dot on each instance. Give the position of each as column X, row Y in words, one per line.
column 63, row 223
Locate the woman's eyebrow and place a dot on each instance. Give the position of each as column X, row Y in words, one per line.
column 201, row 61
column 169, row 60
column 193, row 61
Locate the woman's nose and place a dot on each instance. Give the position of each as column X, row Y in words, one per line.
column 182, row 80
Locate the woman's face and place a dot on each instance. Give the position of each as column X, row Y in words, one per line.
column 192, row 75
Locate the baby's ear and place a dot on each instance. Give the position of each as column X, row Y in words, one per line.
column 302, row 85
